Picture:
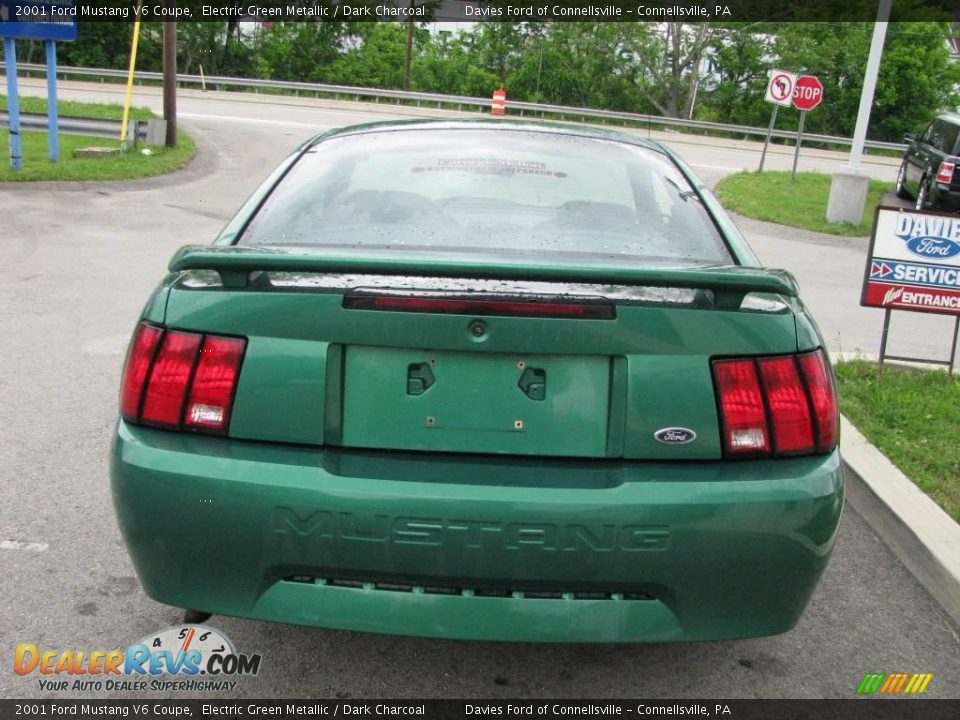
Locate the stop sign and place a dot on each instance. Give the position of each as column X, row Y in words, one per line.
column 807, row 93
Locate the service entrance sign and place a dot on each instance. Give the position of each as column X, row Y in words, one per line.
column 913, row 263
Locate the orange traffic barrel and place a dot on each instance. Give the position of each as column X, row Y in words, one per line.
column 499, row 104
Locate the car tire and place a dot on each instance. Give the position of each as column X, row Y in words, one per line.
column 922, row 196
column 195, row 617
column 901, row 182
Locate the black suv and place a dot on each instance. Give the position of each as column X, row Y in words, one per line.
column 930, row 171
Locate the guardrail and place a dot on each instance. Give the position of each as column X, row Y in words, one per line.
column 461, row 101
column 95, row 127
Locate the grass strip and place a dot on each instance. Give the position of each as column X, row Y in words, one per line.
column 772, row 196
column 913, row 417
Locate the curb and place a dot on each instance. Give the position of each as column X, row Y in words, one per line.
column 919, row 532
column 908, row 366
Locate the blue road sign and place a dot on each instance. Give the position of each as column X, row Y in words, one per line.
column 38, row 19
column 47, row 20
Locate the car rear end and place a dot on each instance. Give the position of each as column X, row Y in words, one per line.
column 474, row 424
column 945, row 185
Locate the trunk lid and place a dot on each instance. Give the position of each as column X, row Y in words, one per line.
column 323, row 369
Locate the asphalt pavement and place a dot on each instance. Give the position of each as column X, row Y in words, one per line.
column 80, row 261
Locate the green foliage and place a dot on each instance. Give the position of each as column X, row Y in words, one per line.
column 123, row 166
column 74, row 108
column 213, row 47
column 914, row 419
column 916, row 77
column 98, row 44
column 574, row 64
column 774, row 197
column 298, row 51
column 734, row 91
column 377, row 61
column 916, row 80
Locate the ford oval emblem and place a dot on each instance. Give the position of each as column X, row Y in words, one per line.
column 675, row 436
column 930, row 246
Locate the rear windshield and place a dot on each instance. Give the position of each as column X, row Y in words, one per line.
column 490, row 192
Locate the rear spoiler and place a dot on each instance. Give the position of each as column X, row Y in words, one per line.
column 235, row 263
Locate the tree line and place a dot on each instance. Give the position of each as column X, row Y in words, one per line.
column 707, row 71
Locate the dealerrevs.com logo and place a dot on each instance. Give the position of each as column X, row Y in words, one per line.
column 184, row 657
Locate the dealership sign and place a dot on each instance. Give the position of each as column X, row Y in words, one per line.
column 913, row 262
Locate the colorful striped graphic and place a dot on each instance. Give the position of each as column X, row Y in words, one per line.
column 894, row 683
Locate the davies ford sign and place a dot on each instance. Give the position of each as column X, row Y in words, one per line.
column 913, row 262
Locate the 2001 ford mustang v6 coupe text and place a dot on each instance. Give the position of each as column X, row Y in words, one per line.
column 480, row 380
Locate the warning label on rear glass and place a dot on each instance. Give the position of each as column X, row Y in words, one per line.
column 491, row 166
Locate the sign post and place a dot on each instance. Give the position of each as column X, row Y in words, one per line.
column 13, row 103
column 779, row 92
column 913, row 264
column 807, row 94
column 124, row 144
column 49, row 20
column 796, row 150
column 53, row 127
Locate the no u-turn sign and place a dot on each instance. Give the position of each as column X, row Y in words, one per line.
column 780, row 87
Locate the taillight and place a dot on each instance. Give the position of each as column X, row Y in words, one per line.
column 139, row 359
column 824, row 398
column 212, row 391
column 945, row 172
column 776, row 406
column 181, row 380
column 743, row 417
column 789, row 406
column 169, row 377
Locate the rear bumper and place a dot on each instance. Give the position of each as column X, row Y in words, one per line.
column 942, row 196
column 672, row 551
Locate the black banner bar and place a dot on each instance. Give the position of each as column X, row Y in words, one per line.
column 853, row 709
column 490, row 10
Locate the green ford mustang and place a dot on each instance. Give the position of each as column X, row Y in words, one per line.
column 486, row 380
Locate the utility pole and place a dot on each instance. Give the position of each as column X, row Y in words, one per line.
column 848, row 190
column 170, row 75
column 869, row 83
column 408, row 56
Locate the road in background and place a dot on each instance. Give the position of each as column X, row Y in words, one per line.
column 80, row 262
column 303, row 116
